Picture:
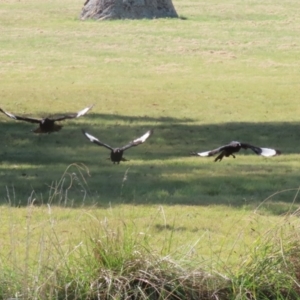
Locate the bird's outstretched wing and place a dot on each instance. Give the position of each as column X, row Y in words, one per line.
column 138, row 141
column 212, row 152
column 31, row 120
column 72, row 116
column 267, row 152
column 96, row 141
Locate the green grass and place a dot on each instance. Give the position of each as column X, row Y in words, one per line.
column 54, row 252
column 224, row 71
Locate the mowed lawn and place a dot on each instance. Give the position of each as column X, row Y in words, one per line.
column 221, row 72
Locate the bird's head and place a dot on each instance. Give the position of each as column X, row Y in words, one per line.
column 235, row 143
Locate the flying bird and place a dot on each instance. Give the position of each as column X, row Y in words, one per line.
column 116, row 154
column 234, row 147
column 47, row 125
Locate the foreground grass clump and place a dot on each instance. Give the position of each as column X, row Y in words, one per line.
column 101, row 262
column 61, row 253
column 270, row 270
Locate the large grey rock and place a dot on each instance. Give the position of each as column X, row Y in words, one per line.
column 128, row 9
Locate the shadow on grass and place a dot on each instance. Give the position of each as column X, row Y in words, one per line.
column 159, row 171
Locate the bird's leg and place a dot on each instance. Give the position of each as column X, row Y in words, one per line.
column 233, row 155
column 219, row 157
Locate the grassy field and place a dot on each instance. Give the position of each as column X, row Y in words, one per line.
column 222, row 72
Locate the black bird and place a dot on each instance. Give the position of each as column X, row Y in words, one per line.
column 116, row 154
column 234, row 147
column 47, row 125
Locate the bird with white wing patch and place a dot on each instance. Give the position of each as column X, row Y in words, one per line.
column 116, row 154
column 234, row 147
column 47, row 125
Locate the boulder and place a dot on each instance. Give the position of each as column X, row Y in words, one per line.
column 127, row 9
